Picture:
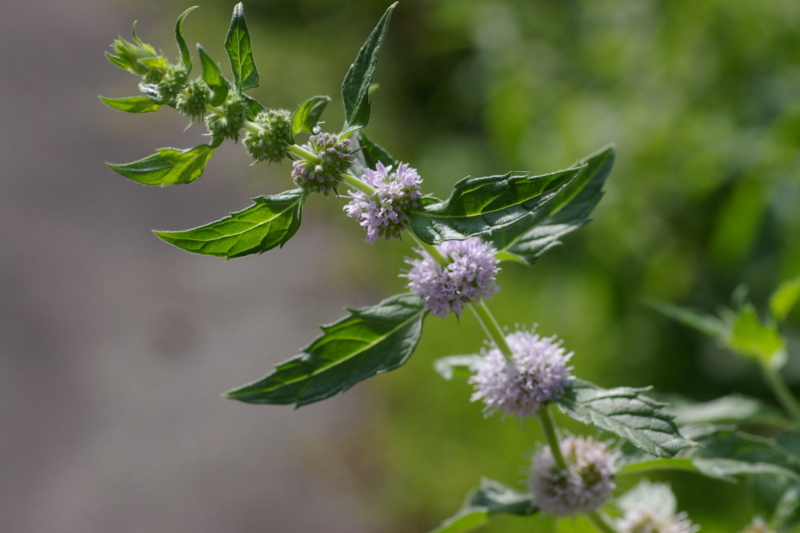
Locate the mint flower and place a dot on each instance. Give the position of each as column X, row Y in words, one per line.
column 468, row 277
column 536, row 375
column 643, row 521
column 582, row 488
column 270, row 144
column 381, row 213
column 758, row 526
column 334, row 159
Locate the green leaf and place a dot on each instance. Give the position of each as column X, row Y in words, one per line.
column 357, row 81
column 308, row 114
column 213, row 77
column 254, row 107
column 186, row 57
column 708, row 324
column 271, row 222
column 134, row 104
column 449, row 366
column 531, row 237
column 656, row 498
column 784, row 298
column 732, row 409
column 369, row 341
column 750, row 337
column 485, row 502
column 627, row 413
column 237, row 43
column 722, row 454
column 169, row 166
column 368, row 154
column 777, row 498
column 478, row 206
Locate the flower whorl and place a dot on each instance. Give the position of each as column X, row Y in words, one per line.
column 271, row 142
column 334, row 159
column 468, row 277
column 381, row 213
column 536, row 375
column 583, row 487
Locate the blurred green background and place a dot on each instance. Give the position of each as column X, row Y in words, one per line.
column 703, row 102
column 701, row 98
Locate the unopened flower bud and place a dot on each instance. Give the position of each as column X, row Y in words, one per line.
column 271, row 142
column 129, row 55
column 583, row 487
column 192, row 101
column 172, row 82
column 323, row 176
column 229, row 123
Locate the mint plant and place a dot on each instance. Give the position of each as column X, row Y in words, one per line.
column 460, row 244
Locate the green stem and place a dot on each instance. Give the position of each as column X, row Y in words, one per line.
column 549, row 427
column 601, row 522
column 356, row 183
column 492, row 328
column 782, row 392
column 303, row 153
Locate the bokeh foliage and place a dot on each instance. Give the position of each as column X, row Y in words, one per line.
column 703, row 102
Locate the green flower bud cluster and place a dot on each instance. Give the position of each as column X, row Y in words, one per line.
column 133, row 57
column 271, row 142
column 192, row 100
column 230, row 121
column 172, row 83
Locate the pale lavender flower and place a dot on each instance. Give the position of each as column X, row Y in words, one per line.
column 536, row 374
column 468, row 277
column 644, row 521
column 758, row 526
column 582, row 488
column 382, row 212
column 334, row 159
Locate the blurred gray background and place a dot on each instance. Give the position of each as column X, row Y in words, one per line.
column 114, row 347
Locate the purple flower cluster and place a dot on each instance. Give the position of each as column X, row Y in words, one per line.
column 324, row 175
column 583, row 487
column 468, row 276
column 643, row 521
column 536, row 374
column 381, row 213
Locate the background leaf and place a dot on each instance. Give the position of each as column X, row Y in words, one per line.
column 186, row 57
column 271, row 222
column 449, row 366
column 369, row 341
column 134, row 104
column 530, row 238
column 777, row 498
column 478, row 206
column 308, row 114
column 750, row 337
column 168, row 166
column 627, row 413
column 784, row 298
column 708, row 324
column 490, row 499
column 213, row 77
column 240, row 52
column 732, row 409
column 357, row 81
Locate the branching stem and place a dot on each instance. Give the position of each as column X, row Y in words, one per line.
column 782, row 392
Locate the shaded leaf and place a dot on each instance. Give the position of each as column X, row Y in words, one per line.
column 369, row 341
column 777, row 498
column 530, row 238
column 357, row 81
column 169, row 166
column 368, row 154
column 308, row 114
column 722, row 454
column 735, row 408
column 478, row 206
column 482, row 504
column 134, row 104
column 240, row 52
column 447, row 367
column 627, row 413
column 784, row 298
column 271, row 222
column 213, row 77
column 750, row 337
column 186, row 57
